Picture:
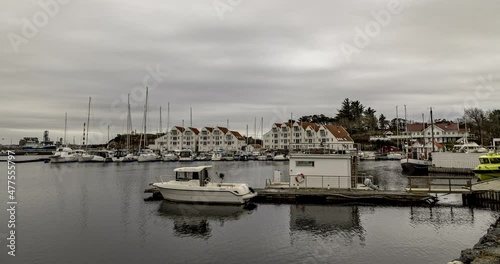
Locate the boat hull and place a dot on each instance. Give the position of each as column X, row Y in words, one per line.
column 63, row 159
column 415, row 167
column 205, row 196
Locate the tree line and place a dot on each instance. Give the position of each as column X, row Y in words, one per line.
column 361, row 121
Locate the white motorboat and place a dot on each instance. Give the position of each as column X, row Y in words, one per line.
column 192, row 184
column 63, row 155
column 217, row 156
column 170, row 156
column 280, row 157
column 262, row 157
column 186, row 155
column 148, row 155
column 394, row 156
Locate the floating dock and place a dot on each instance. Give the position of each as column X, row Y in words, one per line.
column 325, row 196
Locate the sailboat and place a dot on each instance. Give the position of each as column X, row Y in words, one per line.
column 83, row 155
column 127, row 155
column 146, row 155
column 64, row 154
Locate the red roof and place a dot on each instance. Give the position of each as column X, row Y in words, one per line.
column 223, row 129
column 237, row 135
column 210, row 129
column 314, row 126
column 339, row 132
column 195, row 130
column 418, row 127
column 180, row 128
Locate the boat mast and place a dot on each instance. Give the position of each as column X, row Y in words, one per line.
column 407, row 144
column 161, row 128
column 397, row 128
column 65, row 124
column 432, row 131
column 88, row 126
column 129, row 122
column 145, row 117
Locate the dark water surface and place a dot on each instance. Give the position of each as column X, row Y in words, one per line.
column 95, row 213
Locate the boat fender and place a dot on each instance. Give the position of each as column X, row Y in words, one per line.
column 300, row 177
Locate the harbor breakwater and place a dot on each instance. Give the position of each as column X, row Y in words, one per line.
column 486, row 251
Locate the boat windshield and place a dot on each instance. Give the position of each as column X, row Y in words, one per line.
column 484, row 160
column 187, row 176
column 185, row 154
column 495, row 160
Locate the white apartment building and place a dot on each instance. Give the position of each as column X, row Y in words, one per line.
column 302, row 135
column 204, row 140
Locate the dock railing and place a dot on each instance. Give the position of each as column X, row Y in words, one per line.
column 331, row 181
column 434, row 184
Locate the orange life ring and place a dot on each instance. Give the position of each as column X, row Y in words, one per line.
column 300, row 178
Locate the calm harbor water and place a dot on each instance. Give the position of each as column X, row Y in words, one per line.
column 95, row 213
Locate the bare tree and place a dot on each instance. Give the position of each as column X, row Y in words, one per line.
column 476, row 119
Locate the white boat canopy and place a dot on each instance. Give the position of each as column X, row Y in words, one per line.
column 192, row 169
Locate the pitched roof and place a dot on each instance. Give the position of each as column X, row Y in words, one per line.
column 339, row 132
column 314, row 126
column 180, row 128
column 210, row 129
column 418, row 127
column 237, row 135
column 195, row 130
column 223, row 129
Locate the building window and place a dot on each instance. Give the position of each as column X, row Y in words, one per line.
column 295, row 128
column 323, row 133
column 297, row 134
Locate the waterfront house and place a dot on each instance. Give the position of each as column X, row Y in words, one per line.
column 303, row 135
column 447, row 132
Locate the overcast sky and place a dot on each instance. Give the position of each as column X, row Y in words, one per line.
column 240, row 59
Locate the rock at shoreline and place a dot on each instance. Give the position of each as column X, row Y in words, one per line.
column 486, row 251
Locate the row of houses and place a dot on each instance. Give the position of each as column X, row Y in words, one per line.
column 448, row 132
column 281, row 136
column 303, row 135
column 204, row 140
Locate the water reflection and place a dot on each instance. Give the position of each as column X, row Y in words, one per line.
column 322, row 221
column 442, row 215
column 195, row 220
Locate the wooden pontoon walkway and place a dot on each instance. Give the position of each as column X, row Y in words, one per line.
column 321, row 196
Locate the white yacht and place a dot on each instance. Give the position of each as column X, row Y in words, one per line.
column 186, row 155
column 192, row 184
column 394, row 156
column 217, row 156
column 148, row 155
column 170, row 156
column 280, row 157
column 63, row 155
